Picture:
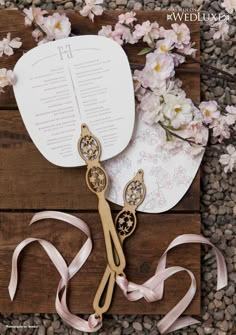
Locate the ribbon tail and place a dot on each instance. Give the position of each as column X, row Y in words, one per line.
column 222, row 276
column 94, row 323
column 183, row 322
column 53, row 254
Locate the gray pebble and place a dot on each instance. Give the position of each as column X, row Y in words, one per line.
column 128, row 331
column 125, row 324
column 137, row 326
column 50, row 331
column 69, row 5
column 166, row 2
column 230, row 291
column 41, row 330
column 138, row 6
column 224, row 326
column 47, row 323
column 121, row 2
column 219, row 315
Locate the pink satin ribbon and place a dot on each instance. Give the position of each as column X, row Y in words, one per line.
column 152, row 290
column 94, row 323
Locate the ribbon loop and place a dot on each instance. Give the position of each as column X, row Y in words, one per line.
column 152, row 290
column 94, row 323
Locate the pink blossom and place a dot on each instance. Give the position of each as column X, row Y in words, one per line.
column 182, row 33
column 125, row 33
column 151, row 108
column 106, row 31
column 168, row 34
column 209, row 111
column 7, row 78
column 159, row 67
column 231, row 110
column 230, row 117
column 38, row 35
column 228, row 160
column 148, row 31
column 164, row 46
column 34, row 14
column 120, row 34
column 7, row 45
column 220, row 129
column 127, row 18
column 178, row 111
column 221, row 30
column 57, row 26
column 229, row 5
column 194, row 150
column 178, row 59
column 195, row 131
column 141, row 78
column 189, row 50
column 137, row 80
column 91, row 9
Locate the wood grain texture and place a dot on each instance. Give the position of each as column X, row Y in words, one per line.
column 28, row 183
column 38, row 278
column 12, row 21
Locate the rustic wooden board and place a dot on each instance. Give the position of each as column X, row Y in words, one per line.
column 12, row 21
column 29, row 183
column 39, row 279
column 49, row 186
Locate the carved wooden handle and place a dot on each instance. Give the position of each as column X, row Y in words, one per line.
column 134, row 194
column 103, row 297
column 90, row 150
column 115, row 255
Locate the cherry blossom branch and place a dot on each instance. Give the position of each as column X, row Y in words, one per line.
column 190, row 142
column 212, row 75
column 180, row 70
column 33, row 21
column 207, row 65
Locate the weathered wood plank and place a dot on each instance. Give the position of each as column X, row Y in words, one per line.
column 12, row 21
column 29, row 181
column 39, row 279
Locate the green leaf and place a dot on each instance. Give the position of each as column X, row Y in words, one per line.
column 145, row 51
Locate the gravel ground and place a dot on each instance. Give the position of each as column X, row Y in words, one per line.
column 218, row 202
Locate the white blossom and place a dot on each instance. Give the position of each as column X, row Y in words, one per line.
column 159, row 67
column 229, row 5
column 7, row 45
column 178, row 111
column 91, row 9
column 56, row 26
column 7, row 78
column 34, row 14
column 228, row 160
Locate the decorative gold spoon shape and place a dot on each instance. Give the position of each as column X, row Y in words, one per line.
column 97, row 181
column 134, row 194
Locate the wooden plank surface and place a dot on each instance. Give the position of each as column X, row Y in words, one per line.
column 29, row 183
column 12, row 21
column 38, row 278
column 49, row 186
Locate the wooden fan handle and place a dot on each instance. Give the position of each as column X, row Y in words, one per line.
column 115, row 254
column 105, row 289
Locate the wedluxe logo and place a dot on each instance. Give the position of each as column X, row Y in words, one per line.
column 193, row 15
